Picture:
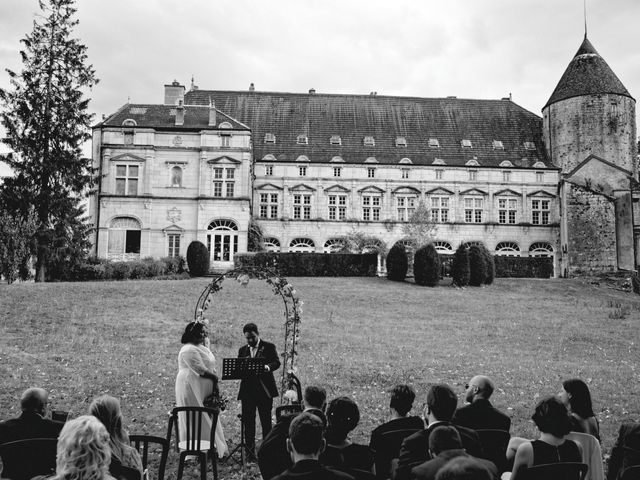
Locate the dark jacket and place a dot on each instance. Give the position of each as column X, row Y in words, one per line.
column 415, row 448
column 29, row 425
column 429, row 469
column 403, row 423
column 264, row 385
column 626, row 451
column 481, row 415
column 312, row 470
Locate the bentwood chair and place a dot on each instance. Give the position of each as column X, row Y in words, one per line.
column 193, row 444
column 557, row 471
column 388, row 449
column 144, row 443
column 494, row 446
column 284, row 410
column 25, row 459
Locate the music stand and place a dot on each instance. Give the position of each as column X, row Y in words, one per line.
column 239, row 369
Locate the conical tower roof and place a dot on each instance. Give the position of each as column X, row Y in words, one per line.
column 587, row 74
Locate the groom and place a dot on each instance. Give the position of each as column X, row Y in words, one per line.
column 257, row 392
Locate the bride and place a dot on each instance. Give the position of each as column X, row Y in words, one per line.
column 196, row 379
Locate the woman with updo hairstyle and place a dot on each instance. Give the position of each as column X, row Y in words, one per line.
column 340, row 453
column 107, row 410
column 576, row 397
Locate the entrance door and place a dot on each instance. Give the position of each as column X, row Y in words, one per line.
column 222, row 241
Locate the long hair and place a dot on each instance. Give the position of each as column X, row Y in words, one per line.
column 107, row 410
column 580, row 401
column 83, row 451
column 192, row 332
column 343, row 416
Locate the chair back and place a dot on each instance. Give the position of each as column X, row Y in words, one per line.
column 494, row 446
column 388, row 449
column 294, row 383
column 359, row 474
column 25, row 459
column 631, row 473
column 193, row 420
column 158, row 445
column 557, row 471
column 284, row 410
column 591, row 454
column 121, row 472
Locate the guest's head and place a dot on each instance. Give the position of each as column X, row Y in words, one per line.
column 194, row 332
column 315, row 397
column 478, row 387
column 576, row 397
column 34, row 400
column 342, row 417
column 444, row 438
column 402, row 397
column 441, row 403
column 83, row 451
column 305, row 437
column 463, row 468
column 551, row 417
column 251, row 333
column 107, row 410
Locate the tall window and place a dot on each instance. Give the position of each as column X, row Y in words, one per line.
column 301, row 206
column 371, row 207
column 506, row 176
column 224, row 181
column 176, row 177
column 124, row 239
column 128, row 138
column 439, row 173
column 473, row 175
column 337, row 207
column 268, row 205
column 268, row 170
column 174, row 245
column 302, row 171
column 439, row 209
column 226, row 141
column 539, row 177
column 337, row 171
column 540, row 211
column 371, row 172
column 473, row 207
column 127, row 179
column 507, row 208
column 404, row 173
column 405, row 206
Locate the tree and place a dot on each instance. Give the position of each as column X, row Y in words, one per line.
column 255, row 237
column 397, row 263
column 419, row 227
column 426, row 266
column 491, row 265
column 460, row 267
column 197, row 259
column 477, row 266
column 46, row 119
column 15, row 239
column 356, row 241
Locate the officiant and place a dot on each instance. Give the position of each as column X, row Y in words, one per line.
column 257, row 392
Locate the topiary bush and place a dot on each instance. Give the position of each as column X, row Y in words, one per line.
column 197, row 259
column 426, row 266
column 490, row 263
column 460, row 267
column 397, row 263
column 477, row 266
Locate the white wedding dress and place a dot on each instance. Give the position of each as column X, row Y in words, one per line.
column 192, row 389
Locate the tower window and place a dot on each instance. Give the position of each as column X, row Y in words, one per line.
column 369, row 142
column 434, row 143
column 269, row 138
column 401, row 142
column 466, row 143
column 335, row 140
column 302, row 140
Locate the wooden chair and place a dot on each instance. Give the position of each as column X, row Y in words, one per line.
column 120, row 472
column 142, row 443
column 193, row 444
column 494, row 446
column 25, row 459
column 557, row 471
column 283, row 410
column 631, row 473
column 389, row 448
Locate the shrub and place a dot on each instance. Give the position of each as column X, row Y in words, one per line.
column 174, row 265
column 490, row 263
column 477, row 266
column 460, row 267
column 397, row 263
column 197, row 259
column 524, row 267
column 426, row 266
column 312, row 264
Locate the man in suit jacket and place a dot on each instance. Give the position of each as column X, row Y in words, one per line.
column 479, row 414
column 440, row 407
column 257, row 392
column 626, row 451
column 444, row 445
column 31, row 424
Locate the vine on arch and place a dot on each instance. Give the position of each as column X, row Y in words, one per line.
column 292, row 309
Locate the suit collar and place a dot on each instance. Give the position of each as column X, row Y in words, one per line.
column 449, row 454
column 32, row 416
column 307, row 465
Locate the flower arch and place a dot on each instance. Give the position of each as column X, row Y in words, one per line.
column 292, row 310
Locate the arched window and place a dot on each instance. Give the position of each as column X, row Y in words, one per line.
column 271, row 244
column 124, row 239
column 443, row 247
column 223, row 225
column 302, row 245
column 222, row 241
column 508, row 249
column 471, row 244
column 333, row 245
column 541, row 249
column 176, row 176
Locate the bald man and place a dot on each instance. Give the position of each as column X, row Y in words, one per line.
column 31, row 424
column 479, row 414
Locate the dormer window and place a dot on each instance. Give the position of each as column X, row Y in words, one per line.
column 269, row 138
column 401, row 142
column 498, row 145
column 335, row 140
column 369, row 142
column 465, row 143
column 434, row 143
column 529, row 146
column 302, row 140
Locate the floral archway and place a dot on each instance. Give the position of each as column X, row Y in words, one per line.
column 282, row 288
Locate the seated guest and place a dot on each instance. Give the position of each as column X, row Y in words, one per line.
column 576, row 397
column 305, row 443
column 626, row 451
column 107, row 410
column 32, row 422
column 343, row 416
column 444, row 445
column 273, row 457
column 440, row 407
column 479, row 414
column 552, row 420
column 463, row 468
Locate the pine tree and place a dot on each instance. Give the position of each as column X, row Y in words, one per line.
column 15, row 236
column 46, row 119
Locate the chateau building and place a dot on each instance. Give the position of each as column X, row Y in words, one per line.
column 312, row 167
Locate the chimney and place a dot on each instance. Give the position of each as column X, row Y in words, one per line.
column 252, row 88
column 180, row 113
column 312, row 91
column 212, row 113
column 173, row 93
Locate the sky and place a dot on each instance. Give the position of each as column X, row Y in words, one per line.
column 485, row 49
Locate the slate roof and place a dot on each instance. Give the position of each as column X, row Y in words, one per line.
column 352, row 117
column 587, row 74
column 163, row 117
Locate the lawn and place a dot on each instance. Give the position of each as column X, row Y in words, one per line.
column 359, row 337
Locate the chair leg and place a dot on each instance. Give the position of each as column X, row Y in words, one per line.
column 203, row 465
column 214, row 463
column 181, row 465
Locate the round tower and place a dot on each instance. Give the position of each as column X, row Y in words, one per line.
column 590, row 113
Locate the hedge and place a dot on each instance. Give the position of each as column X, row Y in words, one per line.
column 426, row 266
column 397, row 263
column 523, row 267
column 102, row 269
column 312, row 264
column 197, row 259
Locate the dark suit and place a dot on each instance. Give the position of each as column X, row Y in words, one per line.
column 385, row 449
column 481, row 415
column 311, row 470
column 621, row 457
column 257, row 392
column 429, row 469
column 415, row 448
column 28, row 425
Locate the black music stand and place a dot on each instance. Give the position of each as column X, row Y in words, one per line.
column 239, row 369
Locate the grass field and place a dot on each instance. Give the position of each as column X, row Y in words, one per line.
column 359, row 337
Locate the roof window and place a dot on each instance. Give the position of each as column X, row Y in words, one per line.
column 529, row 146
column 434, row 143
column 465, row 143
column 498, row 145
column 335, row 140
column 369, row 142
column 401, row 142
column 269, row 138
column 506, row 163
column 302, row 140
